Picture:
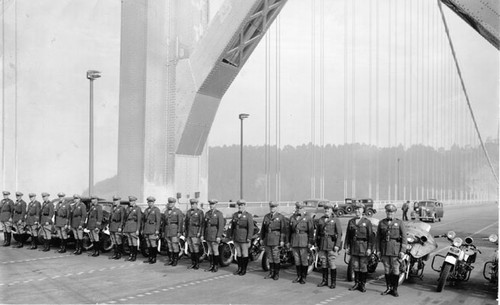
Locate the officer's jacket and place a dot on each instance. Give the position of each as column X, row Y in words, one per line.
column 33, row 213
column 94, row 219
column 151, row 220
column 19, row 210
column 242, row 227
column 117, row 217
column 273, row 229
column 301, row 230
column 63, row 213
column 6, row 209
column 328, row 233
column 173, row 222
column 214, row 225
column 47, row 212
column 78, row 215
column 133, row 220
column 194, row 223
column 391, row 237
column 359, row 237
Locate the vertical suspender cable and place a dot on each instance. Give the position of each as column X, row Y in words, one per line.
column 370, row 69
column 266, row 101
column 389, row 119
column 405, row 10
column 345, row 100
column 353, row 96
column 410, row 102
column 15, row 98
column 396, row 127
column 427, row 104
column 313, row 101
column 3, row 95
column 322, row 97
column 278, row 110
column 377, row 99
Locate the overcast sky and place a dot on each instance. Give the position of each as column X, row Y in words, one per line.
column 59, row 40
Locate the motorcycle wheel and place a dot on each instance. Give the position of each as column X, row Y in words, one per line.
column 226, row 255
column 21, row 237
column 443, row 276
column 86, row 243
column 106, row 244
column 401, row 279
column 265, row 263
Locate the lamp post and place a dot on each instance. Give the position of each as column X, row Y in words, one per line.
column 91, row 75
column 242, row 116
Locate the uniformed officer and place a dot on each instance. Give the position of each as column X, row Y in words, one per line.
column 151, row 228
column 116, row 223
column 33, row 218
column 193, row 228
column 273, row 235
column 391, row 243
column 132, row 226
column 301, row 239
column 94, row 222
column 242, row 227
column 6, row 210
column 18, row 216
column 173, row 228
column 62, row 211
column 359, row 245
column 46, row 215
column 329, row 242
column 77, row 221
column 212, row 233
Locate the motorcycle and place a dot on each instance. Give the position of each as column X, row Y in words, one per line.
column 490, row 270
column 286, row 258
column 373, row 260
column 420, row 245
column 457, row 264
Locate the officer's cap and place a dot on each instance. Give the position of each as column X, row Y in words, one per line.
column 116, row 198
column 359, row 205
column 6, row 192
column 76, row 196
column 61, row 194
column 93, row 197
column 171, row 200
column 44, row 194
column 31, row 195
column 213, row 201
column 299, row 205
column 19, row 194
column 390, row 207
column 193, row 201
column 151, row 199
column 241, row 202
column 273, row 204
column 132, row 198
column 328, row 205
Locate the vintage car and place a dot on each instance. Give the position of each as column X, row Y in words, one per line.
column 427, row 210
column 347, row 208
column 315, row 207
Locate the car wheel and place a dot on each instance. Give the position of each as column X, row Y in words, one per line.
column 348, row 210
column 340, row 213
column 369, row 213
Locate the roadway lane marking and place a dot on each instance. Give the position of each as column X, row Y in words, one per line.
column 477, row 232
column 35, row 259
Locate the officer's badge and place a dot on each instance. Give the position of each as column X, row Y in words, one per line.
column 173, row 213
column 363, row 224
column 195, row 214
column 396, row 224
column 244, row 216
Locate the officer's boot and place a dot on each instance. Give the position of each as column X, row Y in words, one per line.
column 9, row 236
column 134, row 254
column 170, row 260
column 20, row 243
column 299, row 274
column 304, row 274
column 362, row 281
column 96, row 249
column 4, row 238
column 276, row 271
column 114, row 252
column 176, row 259
column 211, row 261
column 395, row 283
column 271, row 271
column 239, row 260
column 356, row 281
column 197, row 261
column 333, row 278
column 150, row 255
column 153, row 258
column 63, row 246
column 193, row 262
column 79, row 244
column 324, row 282
column 215, row 263
column 119, row 251
column 33, row 242
column 388, row 283
column 46, row 243
column 244, row 266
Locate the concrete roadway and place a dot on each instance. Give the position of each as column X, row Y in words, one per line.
column 31, row 276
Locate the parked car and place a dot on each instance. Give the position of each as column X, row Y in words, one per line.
column 427, row 210
column 314, row 207
column 347, row 208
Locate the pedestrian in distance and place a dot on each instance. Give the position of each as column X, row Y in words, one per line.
column 46, row 222
column 173, row 228
column 94, row 223
column 6, row 211
column 62, row 212
column 194, row 227
column 301, row 240
column 405, row 208
column 132, row 227
column 359, row 245
column 116, row 223
column 77, row 222
column 242, row 227
column 151, row 228
column 273, row 235
column 18, row 216
column 329, row 242
column 33, row 219
column 391, row 244
column 213, row 229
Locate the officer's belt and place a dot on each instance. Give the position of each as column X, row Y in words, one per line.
column 299, row 232
column 173, row 223
column 362, row 239
column 45, row 214
column 18, row 212
column 275, row 230
column 396, row 238
column 195, row 226
column 214, row 225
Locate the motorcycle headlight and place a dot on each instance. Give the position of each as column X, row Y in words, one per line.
column 469, row 240
column 451, row 234
column 410, row 239
column 457, row 242
column 493, row 238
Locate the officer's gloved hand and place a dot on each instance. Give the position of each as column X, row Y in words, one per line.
column 282, row 244
column 218, row 239
column 309, row 245
column 336, row 249
column 401, row 254
column 348, row 251
column 368, row 252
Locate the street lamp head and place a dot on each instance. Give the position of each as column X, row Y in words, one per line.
column 243, row 116
column 93, row 74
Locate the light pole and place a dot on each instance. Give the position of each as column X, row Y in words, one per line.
column 242, row 116
column 91, row 75
column 398, row 194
